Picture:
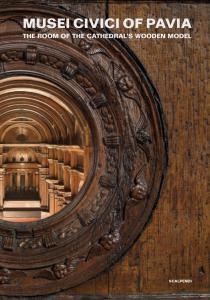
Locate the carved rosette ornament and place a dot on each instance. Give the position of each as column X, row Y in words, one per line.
column 123, row 111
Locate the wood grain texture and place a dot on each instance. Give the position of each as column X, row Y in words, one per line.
column 87, row 8
column 129, row 158
column 175, row 245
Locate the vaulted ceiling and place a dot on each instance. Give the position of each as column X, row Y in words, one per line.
column 33, row 110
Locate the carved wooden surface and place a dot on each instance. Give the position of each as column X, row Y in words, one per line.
column 99, row 80
column 175, row 243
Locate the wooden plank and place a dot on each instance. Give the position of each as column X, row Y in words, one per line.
column 175, row 244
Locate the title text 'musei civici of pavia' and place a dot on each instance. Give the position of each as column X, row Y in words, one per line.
column 39, row 23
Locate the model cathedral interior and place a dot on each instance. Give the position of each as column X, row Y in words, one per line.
column 45, row 149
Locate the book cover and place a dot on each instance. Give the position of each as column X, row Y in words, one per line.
column 104, row 150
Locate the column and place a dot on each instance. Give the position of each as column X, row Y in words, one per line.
column 2, row 174
column 18, row 181
column 1, row 156
column 33, row 181
column 43, row 187
column 66, row 177
column 37, row 181
column 52, row 192
column 73, row 158
column 55, row 168
column 11, row 182
column 56, row 201
column 74, row 182
column 51, row 168
column 60, row 171
column 26, row 181
column 52, row 206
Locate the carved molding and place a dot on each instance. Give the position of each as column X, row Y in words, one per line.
column 124, row 114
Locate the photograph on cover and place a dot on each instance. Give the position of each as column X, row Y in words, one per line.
column 104, row 150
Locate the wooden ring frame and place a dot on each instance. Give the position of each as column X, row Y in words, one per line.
column 112, row 91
